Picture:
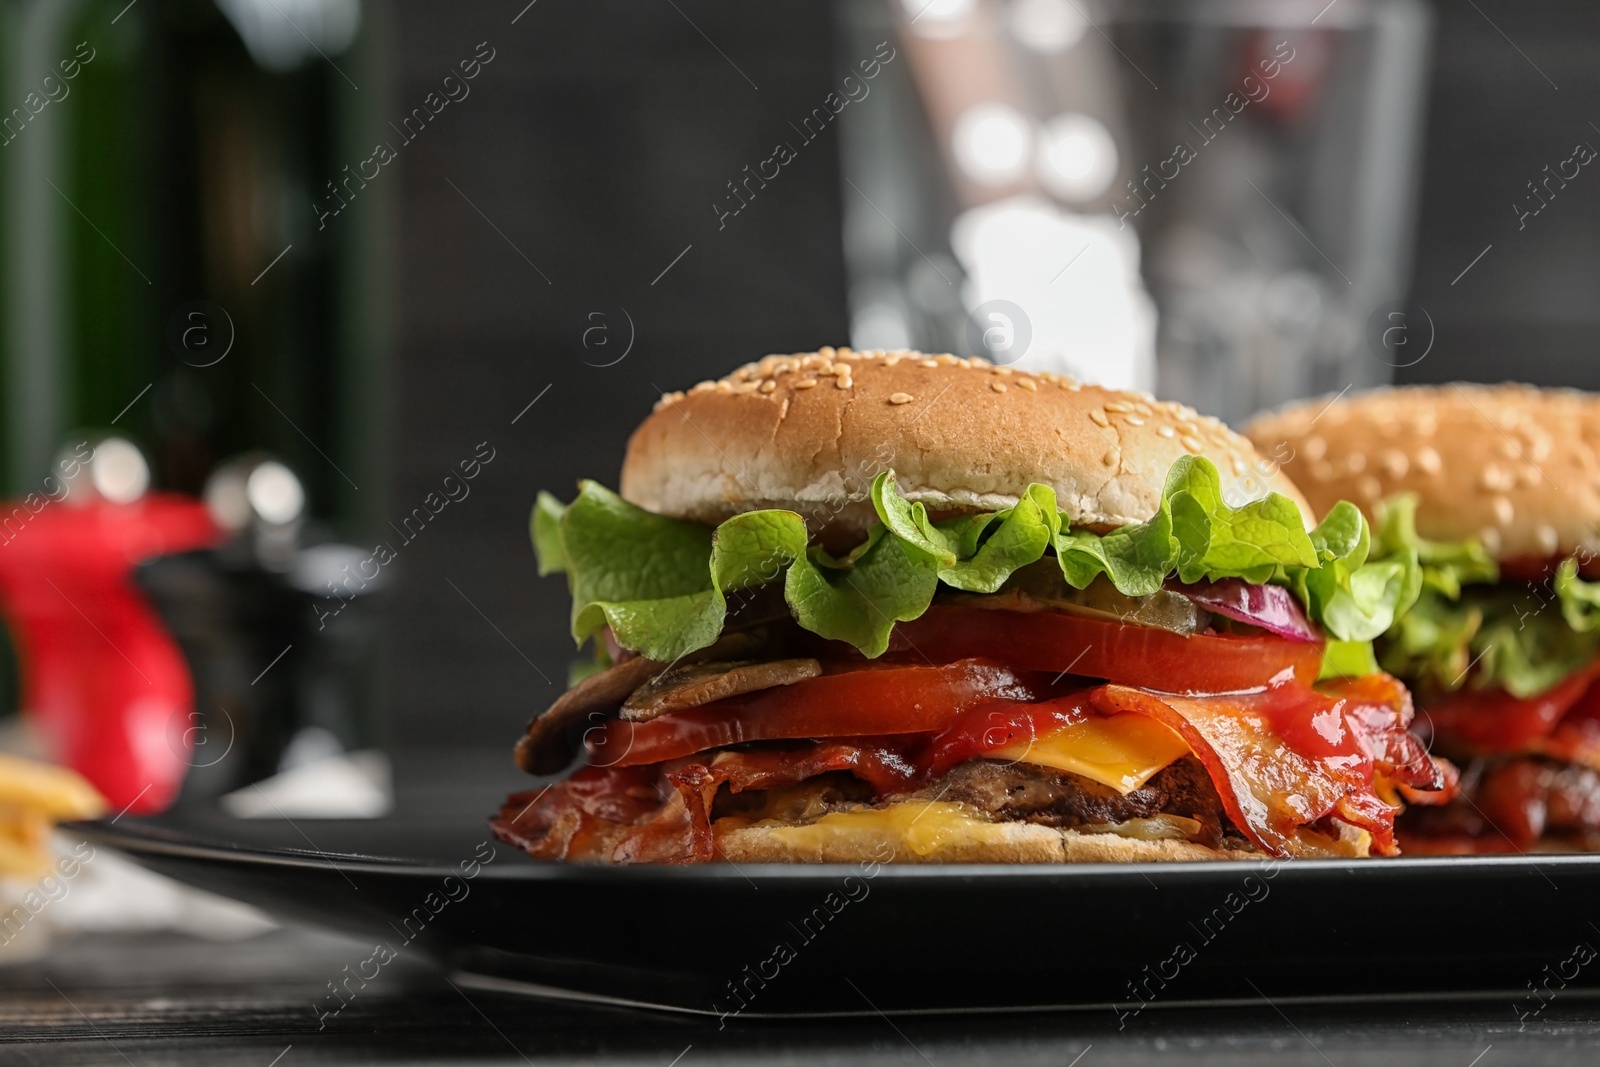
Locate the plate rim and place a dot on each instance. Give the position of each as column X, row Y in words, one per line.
column 146, row 838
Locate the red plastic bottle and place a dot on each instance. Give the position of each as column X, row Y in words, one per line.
column 101, row 677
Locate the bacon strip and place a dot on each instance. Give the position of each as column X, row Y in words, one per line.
column 1286, row 758
column 1282, row 760
column 662, row 813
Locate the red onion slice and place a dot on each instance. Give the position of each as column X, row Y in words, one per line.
column 1271, row 607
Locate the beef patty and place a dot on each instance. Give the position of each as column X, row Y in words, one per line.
column 1026, row 793
column 1011, row 792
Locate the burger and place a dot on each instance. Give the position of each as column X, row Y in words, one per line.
column 869, row 605
column 1496, row 491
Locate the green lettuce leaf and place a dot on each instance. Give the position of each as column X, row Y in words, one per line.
column 1446, row 565
column 1136, row 559
column 1217, row 541
column 1580, row 600
column 643, row 574
column 859, row 600
column 1347, row 659
column 1434, row 640
column 1357, row 598
column 661, row 584
column 990, row 551
column 1495, row 636
column 1468, row 628
column 1194, row 534
column 545, row 526
column 657, row 582
column 1530, row 652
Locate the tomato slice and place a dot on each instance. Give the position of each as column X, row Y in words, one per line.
column 857, row 703
column 1097, row 648
column 1474, row 722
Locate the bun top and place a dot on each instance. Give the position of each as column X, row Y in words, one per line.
column 1514, row 466
column 809, row 432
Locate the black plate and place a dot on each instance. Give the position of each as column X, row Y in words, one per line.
column 836, row 939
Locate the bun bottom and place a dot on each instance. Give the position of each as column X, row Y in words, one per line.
column 891, row 836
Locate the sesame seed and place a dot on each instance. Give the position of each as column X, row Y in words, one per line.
column 1355, row 462
column 1549, row 540
column 768, row 386
column 1395, row 463
column 1193, row 444
column 1118, row 406
column 1027, row 383
column 998, row 387
column 827, row 351
column 843, row 381
column 724, row 386
column 1497, row 479
column 1237, row 464
column 1004, row 372
column 1490, row 537
column 1166, row 431
column 703, row 387
column 1314, row 447
column 901, row 398
column 1134, row 420
column 1427, row 460
column 929, row 363
column 1503, row 511
column 1110, row 458
column 1099, row 418
column 1369, row 487
column 806, row 383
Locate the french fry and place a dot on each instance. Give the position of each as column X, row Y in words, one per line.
column 56, row 792
column 23, row 851
column 33, row 797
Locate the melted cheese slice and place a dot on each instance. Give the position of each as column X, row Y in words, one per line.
column 1121, row 751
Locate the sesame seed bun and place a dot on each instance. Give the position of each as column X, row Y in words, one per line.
column 981, row 842
column 809, row 432
column 1515, row 466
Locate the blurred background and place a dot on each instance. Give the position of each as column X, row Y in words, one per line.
column 356, row 280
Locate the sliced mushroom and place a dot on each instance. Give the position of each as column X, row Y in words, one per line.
column 553, row 735
column 690, row 685
column 548, row 745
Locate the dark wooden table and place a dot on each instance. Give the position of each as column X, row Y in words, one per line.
column 149, row 999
